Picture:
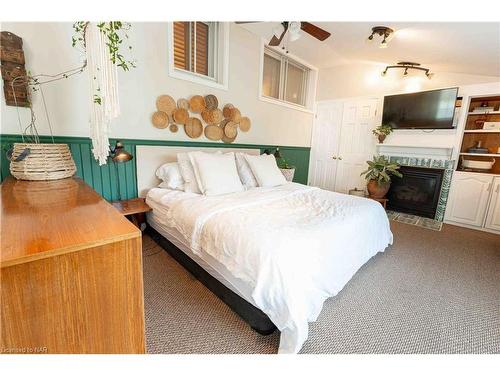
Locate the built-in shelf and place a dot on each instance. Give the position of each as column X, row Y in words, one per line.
column 481, row 131
column 475, row 154
column 484, row 113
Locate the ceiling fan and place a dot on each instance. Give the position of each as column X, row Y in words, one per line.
column 294, row 28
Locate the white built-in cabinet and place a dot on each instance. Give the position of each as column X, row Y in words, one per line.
column 474, row 200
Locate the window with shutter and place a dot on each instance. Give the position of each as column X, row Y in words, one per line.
column 191, row 47
column 199, row 52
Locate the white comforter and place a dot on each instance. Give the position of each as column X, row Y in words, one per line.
column 294, row 245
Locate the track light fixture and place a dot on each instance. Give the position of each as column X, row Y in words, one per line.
column 408, row 65
column 384, row 32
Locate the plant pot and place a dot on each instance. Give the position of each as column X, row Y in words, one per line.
column 377, row 190
column 381, row 138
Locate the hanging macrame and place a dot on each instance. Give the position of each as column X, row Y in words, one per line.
column 104, row 106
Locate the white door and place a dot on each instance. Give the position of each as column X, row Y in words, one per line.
column 357, row 143
column 324, row 146
column 493, row 216
column 468, row 199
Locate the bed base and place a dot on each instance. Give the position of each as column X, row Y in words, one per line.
column 257, row 320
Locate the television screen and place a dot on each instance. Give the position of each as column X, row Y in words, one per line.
column 421, row 110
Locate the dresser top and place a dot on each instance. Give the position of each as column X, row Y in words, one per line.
column 40, row 219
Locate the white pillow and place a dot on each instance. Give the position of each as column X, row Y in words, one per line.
column 245, row 172
column 217, row 173
column 187, row 172
column 171, row 176
column 265, row 170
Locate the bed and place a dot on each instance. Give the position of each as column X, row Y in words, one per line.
column 283, row 250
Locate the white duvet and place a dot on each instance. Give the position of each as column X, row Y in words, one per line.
column 294, row 245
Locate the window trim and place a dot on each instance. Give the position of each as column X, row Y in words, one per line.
column 310, row 88
column 220, row 60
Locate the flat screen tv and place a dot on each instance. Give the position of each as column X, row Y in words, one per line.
column 421, row 110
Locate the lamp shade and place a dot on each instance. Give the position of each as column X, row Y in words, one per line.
column 119, row 154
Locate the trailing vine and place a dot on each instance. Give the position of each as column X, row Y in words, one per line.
column 115, row 32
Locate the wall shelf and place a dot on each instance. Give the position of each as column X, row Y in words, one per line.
column 482, row 131
column 475, row 154
column 484, row 113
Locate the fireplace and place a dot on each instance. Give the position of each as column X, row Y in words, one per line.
column 417, row 192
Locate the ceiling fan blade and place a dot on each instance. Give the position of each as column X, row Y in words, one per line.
column 314, row 30
column 275, row 41
column 244, row 22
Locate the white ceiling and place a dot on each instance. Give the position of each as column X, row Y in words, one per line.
column 472, row 48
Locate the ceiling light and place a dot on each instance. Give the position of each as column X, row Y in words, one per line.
column 278, row 30
column 294, row 30
column 370, row 38
column 382, row 31
column 406, row 65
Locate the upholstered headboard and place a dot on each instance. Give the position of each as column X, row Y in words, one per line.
column 149, row 158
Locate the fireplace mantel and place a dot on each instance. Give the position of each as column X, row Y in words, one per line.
column 434, row 152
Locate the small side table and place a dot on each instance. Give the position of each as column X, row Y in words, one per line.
column 382, row 201
column 133, row 209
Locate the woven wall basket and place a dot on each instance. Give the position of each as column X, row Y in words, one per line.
column 45, row 161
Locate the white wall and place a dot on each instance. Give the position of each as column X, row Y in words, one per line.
column 47, row 48
column 365, row 80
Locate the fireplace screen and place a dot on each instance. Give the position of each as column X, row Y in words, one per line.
column 417, row 192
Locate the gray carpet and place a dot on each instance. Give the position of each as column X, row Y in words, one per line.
column 431, row 292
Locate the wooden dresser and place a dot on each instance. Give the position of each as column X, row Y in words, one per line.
column 71, row 271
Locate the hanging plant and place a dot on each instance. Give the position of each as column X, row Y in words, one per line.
column 116, row 33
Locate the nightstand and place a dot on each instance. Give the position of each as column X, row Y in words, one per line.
column 134, row 209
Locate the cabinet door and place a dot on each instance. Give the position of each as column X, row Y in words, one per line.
column 469, row 197
column 493, row 216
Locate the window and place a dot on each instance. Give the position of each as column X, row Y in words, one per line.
column 286, row 80
column 199, row 52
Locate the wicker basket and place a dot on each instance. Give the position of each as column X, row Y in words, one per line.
column 288, row 173
column 46, row 161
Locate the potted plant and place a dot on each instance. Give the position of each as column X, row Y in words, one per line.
column 287, row 169
column 382, row 132
column 379, row 174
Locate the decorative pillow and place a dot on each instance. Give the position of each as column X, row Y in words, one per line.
column 187, row 172
column 216, row 172
column 265, row 170
column 171, row 176
column 245, row 172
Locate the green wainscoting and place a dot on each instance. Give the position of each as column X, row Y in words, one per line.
column 103, row 179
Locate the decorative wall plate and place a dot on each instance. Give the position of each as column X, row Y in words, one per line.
column 245, row 124
column 183, row 103
column 231, row 129
column 193, row 127
column 197, row 104
column 165, row 103
column 174, row 128
column 160, row 120
column 212, row 116
column 235, row 114
column 181, row 116
column 214, row 132
column 226, row 111
column 211, row 101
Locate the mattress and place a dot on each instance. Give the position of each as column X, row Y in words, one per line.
column 206, row 261
column 284, row 249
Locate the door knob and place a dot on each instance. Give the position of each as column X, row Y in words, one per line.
column 340, row 157
column 334, row 157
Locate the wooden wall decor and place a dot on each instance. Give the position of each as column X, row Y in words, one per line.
column 12, row 65
column 221, row 124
